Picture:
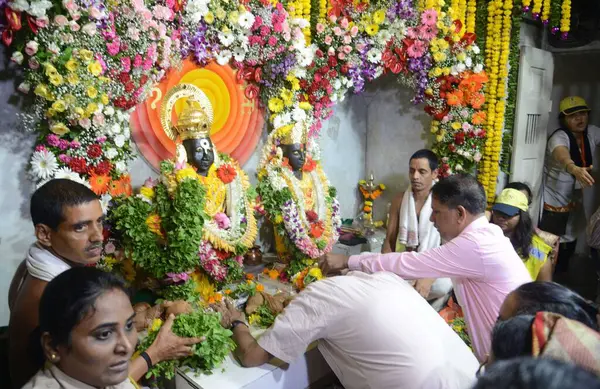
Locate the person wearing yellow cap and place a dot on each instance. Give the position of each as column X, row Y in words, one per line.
column 569, row 155
column 511, row 214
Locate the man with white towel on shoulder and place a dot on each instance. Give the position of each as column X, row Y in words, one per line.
column 409, row 227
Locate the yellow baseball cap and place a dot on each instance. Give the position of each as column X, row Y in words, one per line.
column 573, row 104
column 510, row 202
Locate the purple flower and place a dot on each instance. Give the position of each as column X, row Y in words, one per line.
column 178, row 277
column 63, row 144
column 53, row 140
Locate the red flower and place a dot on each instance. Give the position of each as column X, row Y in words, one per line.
column 78, row 165
column 317, row 230
column 143, row 79
column 345, row 68
column 319, row 53
column 258, row 74
column 309, row 165
column 94, row 151
column 312, row 216
column 129, row 86
column 103, row 167
column 13, row 18
column 124, row 78
column 32, row 25
column 120, row 102
column 226, row 173
column 251, row 92
column 7, row 37
column 332, row 61
column 459, row 138
column 222, row 255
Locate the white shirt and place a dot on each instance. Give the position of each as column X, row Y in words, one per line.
column 375, row 331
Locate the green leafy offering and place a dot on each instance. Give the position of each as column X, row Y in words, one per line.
column 266, row 317
column 185, row 291
column 207, row 355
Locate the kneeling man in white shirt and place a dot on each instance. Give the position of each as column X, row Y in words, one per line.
column 374, row 330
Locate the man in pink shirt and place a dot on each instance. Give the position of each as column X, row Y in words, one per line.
column 479, row 259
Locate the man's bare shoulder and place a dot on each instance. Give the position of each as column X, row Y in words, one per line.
column 28, row 301
column 397, row 200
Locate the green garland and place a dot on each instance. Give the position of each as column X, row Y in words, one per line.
column 512, row 81
column 481, row 14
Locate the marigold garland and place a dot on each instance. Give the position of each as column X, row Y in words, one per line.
column 565, row 20
column 471, row 15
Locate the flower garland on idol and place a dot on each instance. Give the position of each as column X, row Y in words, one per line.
column 85, row 61
column 307, row 234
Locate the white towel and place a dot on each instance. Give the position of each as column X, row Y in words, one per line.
column 420, row 233
column 416, row 232
column 44, row 265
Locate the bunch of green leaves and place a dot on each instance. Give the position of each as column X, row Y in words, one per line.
column 265, row 315
column 247, row 288
column 128, row 217
column 182, row 217
column 235, row 271
column 207, row 355
column 185, row 291
column 272, row 200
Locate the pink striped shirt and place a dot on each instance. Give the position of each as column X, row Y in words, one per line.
column 483, row 266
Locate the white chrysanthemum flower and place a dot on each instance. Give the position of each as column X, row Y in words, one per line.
column 246, row 20
column 478, row 68
column 20, row 5
column 239, row 54
column 374, row 55
column 223, row 57
column 468, row 62
column 119, row 140
column 111, row 153
column 337, row 84
column 121, row 167
column 39, row 8
column 43, row 164
column 298, row 114
column 226, row 38
column 475, row 49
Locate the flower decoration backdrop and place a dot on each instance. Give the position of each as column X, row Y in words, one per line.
column 90, row 62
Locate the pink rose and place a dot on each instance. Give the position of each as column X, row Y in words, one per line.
column 272, row 40
column 222, row 221
column 74, row 26
column 347, row 49
column 109, row 248
column 61, row 20
column 70, row 5
column 354, row 30
column 328, row 40
column 331, row 51
column 337, row 31
column 333, row 18
column 98, row 119
column 89, row 28
column 137, row 61
column 320, row 28
column 31, row 48
column 344, row 23
column 150, row 183
column 85, row 123
column 34, row 64
column 341, row 55
column 347, row 39
column 125, row 64
column 178, row 277
column 42, row 22
column 64, row 158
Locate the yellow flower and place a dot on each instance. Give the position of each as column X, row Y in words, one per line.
column 185, row 173
column 382, row 186
column 56, row 80
column 69, row 99
column 436, row 72
column 95, row 68
column 147, row 192
column 233, row 17
column 275, row 105
column 295, row 84
column 90, row 109
column 50, row 70
column 50, row 113
column 41, row 90
column 260, row 287
column 59, row 106
column 104, row 99
column 315, row 272
column 86, row 55
column 439, row 57
column 59, row 129
column 71, row 65
column 287, row 96
column 79, row 111
column 372, row 29
column 379, row 16
column 209, row 18
column 220, row 13
column 72, row 78
column 434, row 48
column 156, row 324
column 92, row 92
column 278, row 219
column 305, row 105
column 461, row 57
column 253, row 319
column 456, row 126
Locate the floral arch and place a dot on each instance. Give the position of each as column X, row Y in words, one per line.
column 90, row 63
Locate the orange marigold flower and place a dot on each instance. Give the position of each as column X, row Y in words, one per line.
column 227, row 291
column 99, row 183
column 218, row 297
column 479, row 117
column 211, row 300
column 273, row 274
column 250, row 276
column 454, row 98
column 226, row 173
column 367, row 209
column 316, row 230
column 477, row 100
column 265, row 271
column 260, row 288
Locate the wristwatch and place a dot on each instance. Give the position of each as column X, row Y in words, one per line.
column 236, row 323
